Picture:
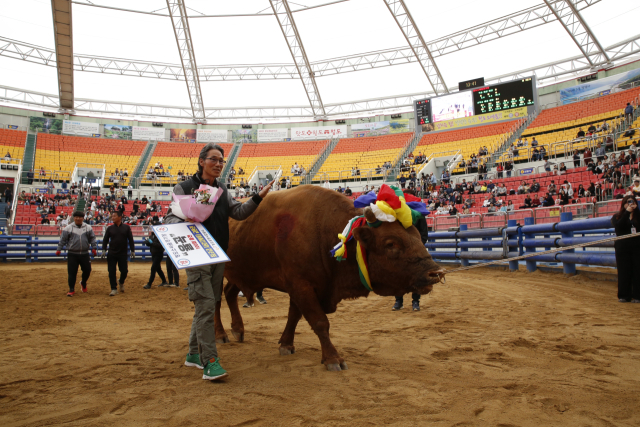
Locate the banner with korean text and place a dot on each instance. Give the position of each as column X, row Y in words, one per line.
column 144, row 133
column 514, row 113
column 212, row 135
column 182, row 135
column 265, row 135
column 370, row 129
column 189, row 245
column 324, row 132
column 80, row 128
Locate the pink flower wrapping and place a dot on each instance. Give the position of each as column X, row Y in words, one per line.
column 194, row 210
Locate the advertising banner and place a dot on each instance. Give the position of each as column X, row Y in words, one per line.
column 26, row 228
column 370, row 129
column 145, row 133
column 211, row 135
column 189, row 245
column 44, row 124
column 325, row 132
column 399, row 125
column 265, row 135
column 118, row 131
column 182, row 135
column 244, row 135
column 526, row 171
column 41, row 190
column 80, row 128
column 605, row 86
column 6, row 180
column 514, row 113
column 63, row 191
column 163, row 193
column 12, row 126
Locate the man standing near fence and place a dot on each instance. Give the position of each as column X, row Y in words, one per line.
column 78, row 237
column 116, row 238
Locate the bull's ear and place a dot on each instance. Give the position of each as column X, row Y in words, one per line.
column 365, row 236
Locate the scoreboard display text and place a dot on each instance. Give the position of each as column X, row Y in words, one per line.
column 503, row 96
column 423, row 112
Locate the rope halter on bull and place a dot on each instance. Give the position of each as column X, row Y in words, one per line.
column 388, row 206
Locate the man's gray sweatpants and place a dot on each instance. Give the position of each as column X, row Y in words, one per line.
column 205, row 288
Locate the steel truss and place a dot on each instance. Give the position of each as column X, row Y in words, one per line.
column 546, row 74
column 181, row 30
column 419, row 48
column 578, row 30
column 63, row 32
column 484, row 33
column 292, row 36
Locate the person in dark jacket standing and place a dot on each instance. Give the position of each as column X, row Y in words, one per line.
column 78, row 238
column 422, row 227
column 157, row 251
column 627, row 221
column 205, row 283
column 172, row 273
column 116, row 238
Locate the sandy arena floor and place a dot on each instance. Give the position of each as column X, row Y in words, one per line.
column 488, row 348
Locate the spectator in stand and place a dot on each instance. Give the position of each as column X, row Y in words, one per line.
column 635, row 187
column 563, row 198
column 535, row 187
column 547, row 165
column 551, row 188
column 348, row 192
column 510, row 207
column 629, row 133
column 563, row 168
column 591, row 128
column 576, row 159
column 548, row 201
column 628, row 113
column 586, row 156
column 535, row 155
column 625, row 222
column 30, row 176
column 500, row 169
column 580, row 134
column 600, row 152
column 619, row 192
column 508, row 167
column 522, row 188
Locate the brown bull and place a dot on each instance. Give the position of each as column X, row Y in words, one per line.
column 286, row 246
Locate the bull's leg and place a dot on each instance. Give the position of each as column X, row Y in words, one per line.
column 305, row 298
column 221, row 334
column 286, row 340
column 237, row 325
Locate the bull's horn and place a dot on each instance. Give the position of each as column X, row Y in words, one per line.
column 369, row 215
column 440, row 273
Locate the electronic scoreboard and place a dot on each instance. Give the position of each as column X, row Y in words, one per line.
column 423, row 112
column 485, row 99
column 503, row 96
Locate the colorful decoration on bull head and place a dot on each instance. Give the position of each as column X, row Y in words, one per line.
column 388, row 205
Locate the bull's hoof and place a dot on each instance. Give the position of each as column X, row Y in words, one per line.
column 334, row 367
column 239, row 336
column 285, row 351
column 344, row 366
column 223, row 340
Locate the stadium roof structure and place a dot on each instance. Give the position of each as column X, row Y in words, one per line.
column 276, row 61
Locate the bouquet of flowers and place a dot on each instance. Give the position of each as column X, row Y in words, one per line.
column 197, row 206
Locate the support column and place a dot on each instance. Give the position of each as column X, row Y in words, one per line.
column 464, row 262
column 531, row 265
column 513, row 265
column 567, row 268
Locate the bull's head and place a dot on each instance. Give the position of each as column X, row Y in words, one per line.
column 398, row 261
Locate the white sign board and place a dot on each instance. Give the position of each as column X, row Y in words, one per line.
column 189, row 245
column 80, row 128
column 325, row 132
column 265, row 135
column 211, row 135
column 139, row 132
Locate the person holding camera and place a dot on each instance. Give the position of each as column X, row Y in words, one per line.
column 627, row 221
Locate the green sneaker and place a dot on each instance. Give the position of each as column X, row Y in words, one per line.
column 213, row 371
column 193, row 360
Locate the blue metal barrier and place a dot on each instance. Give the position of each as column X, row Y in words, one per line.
column 39, row 248
column 514, row 240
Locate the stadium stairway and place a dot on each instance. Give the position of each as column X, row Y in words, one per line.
column 315, row 167
column 395, row 171
column 231, row 160
column 80, row 204
column 29, row 156
column 142, row 163
column 510, row 140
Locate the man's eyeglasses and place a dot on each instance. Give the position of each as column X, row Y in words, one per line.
column 215, row 160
